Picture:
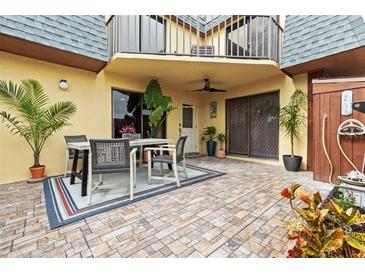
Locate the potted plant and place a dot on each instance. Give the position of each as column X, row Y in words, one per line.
column 32, row 118
column 209, row 134
column 291, row 120
column 329, row 228
column 128, row 130
column 221, row 137
column 160, row 106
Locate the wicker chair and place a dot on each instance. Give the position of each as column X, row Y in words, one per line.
column 178, row 156
column 111, row 156
column 70, row 153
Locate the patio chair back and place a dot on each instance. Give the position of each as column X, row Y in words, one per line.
column 74, row 139
column 131, row 136
column 180, row 148
column 109, row 155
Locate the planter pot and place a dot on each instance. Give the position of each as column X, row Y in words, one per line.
column 145, row 157
column 292, row 163
column 37, row 172
column 211, row 145
column 221, row 153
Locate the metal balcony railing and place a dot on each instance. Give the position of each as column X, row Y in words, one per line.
column 235, row 36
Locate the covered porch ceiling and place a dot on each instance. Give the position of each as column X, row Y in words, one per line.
column 187, row 73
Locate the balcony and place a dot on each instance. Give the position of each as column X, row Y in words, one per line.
column 254, row 37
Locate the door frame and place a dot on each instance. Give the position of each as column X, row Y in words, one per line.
column 184, row 101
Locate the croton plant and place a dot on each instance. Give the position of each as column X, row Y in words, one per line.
column 333, row 227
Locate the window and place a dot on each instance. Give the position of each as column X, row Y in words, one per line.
column 187, row 116
column 128, row 109
column 142, row 33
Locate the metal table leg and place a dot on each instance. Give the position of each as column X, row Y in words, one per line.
column 74, row 166
column 85, row 171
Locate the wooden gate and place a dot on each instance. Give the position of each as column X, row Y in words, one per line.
column 327, row 100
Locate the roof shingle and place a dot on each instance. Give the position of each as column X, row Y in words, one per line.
column 84, row 35
column 312, row 37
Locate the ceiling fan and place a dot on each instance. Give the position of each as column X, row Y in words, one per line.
column 208, row 88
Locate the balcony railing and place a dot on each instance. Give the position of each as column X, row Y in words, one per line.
column 236, row 36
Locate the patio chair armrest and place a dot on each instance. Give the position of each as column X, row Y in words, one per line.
column 168, row 146
column 159, row 149
column 133, row 151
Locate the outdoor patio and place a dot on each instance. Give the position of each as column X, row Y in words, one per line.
column 239, row 214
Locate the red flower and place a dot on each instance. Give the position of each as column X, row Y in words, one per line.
column 286, row 193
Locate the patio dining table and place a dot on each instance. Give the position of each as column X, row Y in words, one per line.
column 85, row 148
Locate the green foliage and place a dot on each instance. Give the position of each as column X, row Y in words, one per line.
column 291, row 118
column 209, row 133
column 159, row 104
column 29, row 115
column 324, row 228
column 221, row 137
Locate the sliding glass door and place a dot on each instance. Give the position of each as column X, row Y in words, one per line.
column 251, row 129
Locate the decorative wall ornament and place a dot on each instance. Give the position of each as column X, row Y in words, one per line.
column 213, row 109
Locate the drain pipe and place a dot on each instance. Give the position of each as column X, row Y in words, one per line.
column 325, row 148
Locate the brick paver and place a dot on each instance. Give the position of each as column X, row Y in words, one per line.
column 236, row 215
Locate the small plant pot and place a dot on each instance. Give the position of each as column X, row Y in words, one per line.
column 145, row 156
column 37, row 172
column 211, row 145
column 221, row 153
column 292, row 163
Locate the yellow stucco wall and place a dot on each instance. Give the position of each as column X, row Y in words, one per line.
column 286, row 86
column 92, row 94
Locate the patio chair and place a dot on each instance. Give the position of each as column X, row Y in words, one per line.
column 70, row 153
column 178, row 156
column 111, row 156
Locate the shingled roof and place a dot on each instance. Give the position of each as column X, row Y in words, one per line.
column 312, row 37
column 84, row 35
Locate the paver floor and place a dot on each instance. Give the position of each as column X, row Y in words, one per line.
column 239, row 214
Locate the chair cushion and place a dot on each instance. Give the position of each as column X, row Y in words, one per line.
column 162, row 159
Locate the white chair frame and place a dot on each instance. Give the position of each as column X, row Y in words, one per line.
column 161, row 149
column 99, row 185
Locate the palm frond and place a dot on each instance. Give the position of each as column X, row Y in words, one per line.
column 61, row 111
column 11, row 94
column 34, row 93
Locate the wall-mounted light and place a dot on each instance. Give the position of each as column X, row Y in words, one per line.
column 63, row 84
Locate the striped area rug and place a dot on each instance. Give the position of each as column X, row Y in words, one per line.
column 65, row 204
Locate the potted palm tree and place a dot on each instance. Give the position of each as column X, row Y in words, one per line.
column 209, row 136
column 291, row 120
column 30, row 116
column 221, row 137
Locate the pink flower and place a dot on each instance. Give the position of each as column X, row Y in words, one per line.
column 128, row 129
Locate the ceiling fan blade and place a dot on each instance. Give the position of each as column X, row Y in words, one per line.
column 202, row 89
column 217, row 90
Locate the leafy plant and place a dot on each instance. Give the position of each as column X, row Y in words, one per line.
column 159, row 104
column 209, row 133
column 221, row 137
column 323, row 228
column 29, row 114
column 291, row 118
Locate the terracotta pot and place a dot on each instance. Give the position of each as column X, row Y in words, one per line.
column 145, row 157
column 221, row 153
column 37, row 172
